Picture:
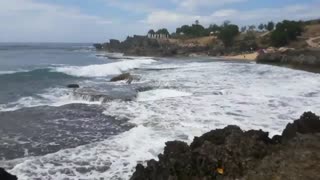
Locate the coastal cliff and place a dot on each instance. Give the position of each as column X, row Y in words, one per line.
column 301, row 57
column 231, row 153
column 144, row 46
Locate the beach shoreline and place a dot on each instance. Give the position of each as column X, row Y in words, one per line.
column 246, row 56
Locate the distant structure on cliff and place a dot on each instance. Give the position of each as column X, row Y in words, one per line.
column 160, row 34
column 157, row 36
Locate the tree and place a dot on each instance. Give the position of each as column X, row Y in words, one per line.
column 261, row 27
column 196, row 30
column 213, row 28
column 197, row 22
column 227, row 34
column 151, row 31
column 252, row 27
column 243, row 28
column 270, row 26
column 226, row 23
column 163, row 31
column 285, row 32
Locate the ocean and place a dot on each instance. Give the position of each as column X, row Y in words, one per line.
column 103, row 129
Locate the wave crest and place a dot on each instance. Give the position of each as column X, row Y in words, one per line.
column 104, row 69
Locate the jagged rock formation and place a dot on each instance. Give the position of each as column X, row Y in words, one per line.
column 230, row 154
column 305, row 57
column 4, row 175
column 144, row 46
column 122, row 77
column 73, row 86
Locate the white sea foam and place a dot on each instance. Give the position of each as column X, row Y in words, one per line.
column 104, row 69
column 158, row 94
column 7, row 72
column 12, row 72
column 249, row 95
column 51, row 97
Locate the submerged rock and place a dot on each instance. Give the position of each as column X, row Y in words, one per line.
column 231, row 153
column 4, row 175
column 122, row 77
column 73, row 86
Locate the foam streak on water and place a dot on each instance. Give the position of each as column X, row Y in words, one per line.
column 191, row 99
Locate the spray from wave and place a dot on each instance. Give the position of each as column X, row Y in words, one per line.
column 104, row 69
column 51, row 97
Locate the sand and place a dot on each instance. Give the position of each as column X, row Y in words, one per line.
column 249, row 56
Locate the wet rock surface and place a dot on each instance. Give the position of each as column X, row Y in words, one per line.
column 307, row 57
column 6, row 176
column 231, row 153
column 122, row 77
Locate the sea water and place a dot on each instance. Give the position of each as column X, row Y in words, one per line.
column 49, row 132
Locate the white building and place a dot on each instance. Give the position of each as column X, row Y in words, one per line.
column 158, row 36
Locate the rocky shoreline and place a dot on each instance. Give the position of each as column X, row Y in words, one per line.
column 231, row 153
column 301, row 57
column 144, row 46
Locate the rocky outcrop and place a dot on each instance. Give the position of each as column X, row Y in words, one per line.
column 144, row 46
column 305, row 57
column 231, row 153
column 4, row 175
column 73, row 86
column 122, row 77
column 309, row 123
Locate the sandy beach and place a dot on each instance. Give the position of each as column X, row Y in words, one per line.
column 249, row 56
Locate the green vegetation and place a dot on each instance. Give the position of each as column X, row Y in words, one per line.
column 195, row 30
column 227, row 34
column 151, row 31
column 163, row 31
column 160, row 31
column 270, row 26
column 281, row 34
column 285, row 32
column 261, row 27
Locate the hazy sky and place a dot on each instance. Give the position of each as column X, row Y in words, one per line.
column 100, row 20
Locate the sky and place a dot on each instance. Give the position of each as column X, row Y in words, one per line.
column 101, row 20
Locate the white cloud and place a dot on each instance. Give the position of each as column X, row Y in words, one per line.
column 173, row 19
column 132, row 6
column 28, row 20
column 224, row 13
column 195, row 4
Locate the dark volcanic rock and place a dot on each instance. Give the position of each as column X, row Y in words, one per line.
column 230, row 154
column 98, row 46
column 74, row 86
column 4, row 175
column 122, row 77
column 307, row 124
column 293, row 57
column 297, row 159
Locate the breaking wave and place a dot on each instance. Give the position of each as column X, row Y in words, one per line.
column 104, row 69
column 51, row 97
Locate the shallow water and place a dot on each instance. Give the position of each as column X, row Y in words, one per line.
column 171, row 99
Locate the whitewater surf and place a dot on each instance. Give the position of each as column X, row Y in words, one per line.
column 51, row 132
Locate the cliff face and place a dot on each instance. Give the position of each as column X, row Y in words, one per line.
column 144, row 46
column 304, row 57
column 231, row 154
